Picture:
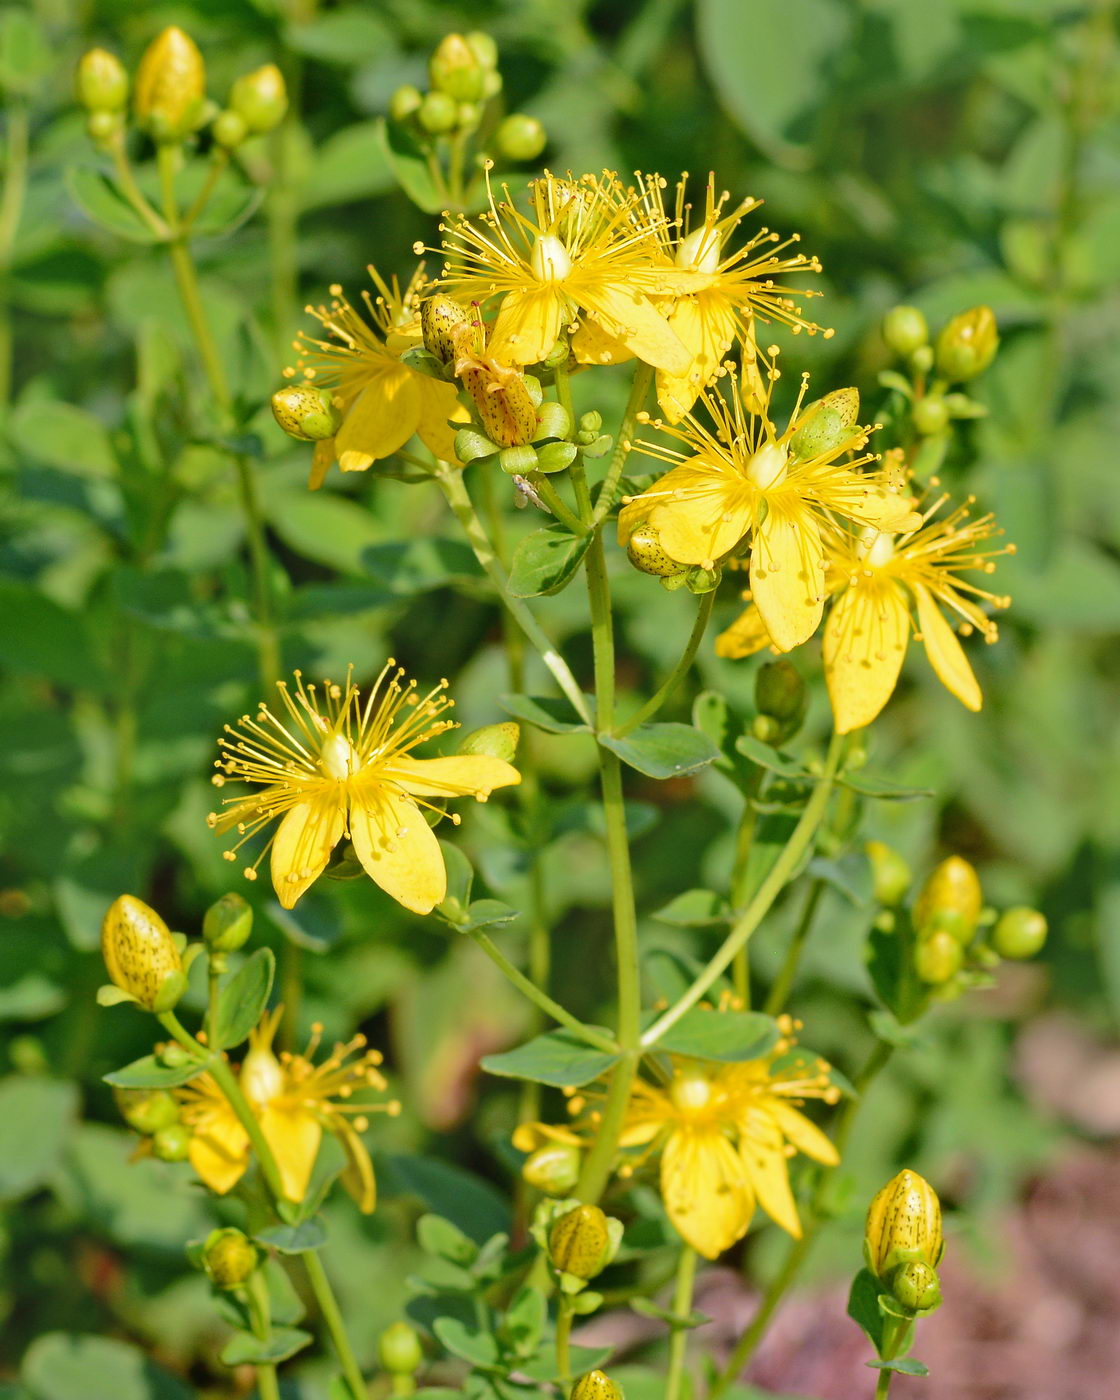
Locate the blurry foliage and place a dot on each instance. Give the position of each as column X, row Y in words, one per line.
column 942, row 154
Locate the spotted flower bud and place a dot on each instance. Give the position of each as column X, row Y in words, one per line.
column 890, row 875
column 399, row 1350
column 101, row 81
column 227, row 924
column 493, row 740
column 170, row 86
column 903, row 1225
column 260, row 98
column 595, row 1385
column 579, row 1243
column 916, row 1286
column 968, row 344
column 644, row 551
column 147, row 1110
column 952, row 890
column 229, row 1257
column 905, row 330
column 520, row 137
column 502, row 400
column 140, row 954
column 455, row 69
column 825, row 424
column 553, row 1169
column 305, row 412
column 1020, row 933
column 440, row 318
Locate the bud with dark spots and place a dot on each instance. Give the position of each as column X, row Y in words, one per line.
column 554, row 1168
column 579, row 1243
column 825, row 424
column 305, row 412
column 140, row 954
column 644, row 551
column 440, row 318
column 596, row 1385
column 903, row 1225
column 916, row 1287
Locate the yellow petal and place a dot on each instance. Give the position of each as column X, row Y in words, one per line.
column 438, row 403
column 591, row 345
column 945, row 653
column 705, row 1190
column 383, row 418
column 304, row 841
column 321, row 460
column 528, row 325
column 474, row 774
column 219, row 1149
column 884, row 509
column 804, row 1135
column 397, row 848
column 357, row 1177
column 699, row 511
column 865, row 639
column 626, row 315
column 294, row 1135
column 706, row 326
column 787, row 576
column 762, row 1148
column 746, row 635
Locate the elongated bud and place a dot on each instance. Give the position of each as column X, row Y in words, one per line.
column 596, row 1385
column 147, row 1110
column 779, row 691
column 455, row 69
column 230, row 1258
column 968, row 344
column 502, row 399
column 579, row 1242
column 905, row 330
column 520, row 137
column 227, row 924
column 399, row 1350
column 140, row 954
column 890, row 875
column 644, row 551
column 439, row 319
column 305, row 412
column 494, row 741
column 903, row 1225
column 101, row 81
column 554, row 1168
column 260, row 98
column 170, row 86
column 916, row 1286
column 826, row 424
column 950, row 898
column 1020, row 933
column 938, row 957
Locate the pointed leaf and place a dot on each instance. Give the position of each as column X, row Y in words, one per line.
column 663, row 750
column 243, row 998
column 558, row 1058
column 546, row 561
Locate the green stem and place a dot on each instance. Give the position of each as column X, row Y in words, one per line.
column 639, row 388
column 131, row 190
column 214, row 968
column 451, row 483
column 541, row 999
column 759, row 907
column 555, row 502
column 740, row 877
column 783, row 984
column 679, row 671
column 260, row 1316
column 17, row 146
column 564, row 1317
column 219, row 159
column 883, row 1386
column 328, row 1306
column 682, row 1306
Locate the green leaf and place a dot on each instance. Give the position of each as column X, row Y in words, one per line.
column 25, row 52
column 445, row 1240
column 349, row 165
column 663, row 750
column 552, row 714
column 101, row 201
column 479, row 1348
column 525, row 1319
column 868, row 785
column 460, row 1196
column 294, row 1239
column 36, row 1118
column 863, row 1306
column 905, row 1365
column 484, row 913
column 546, row 561
column 348, row 37
column 244, row 1349
column 65, row 437
column 768, row 758
column 729, row 1036
column 558, row 1058
column 543, row 1366
column 149, row 1073
column 695, row 909
column 410, row 166
column 645, row 1307
column 71, row 1366
column 243, row 998
column 39, row 638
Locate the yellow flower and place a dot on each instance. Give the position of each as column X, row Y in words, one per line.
column 382, row 402
column 339, row 764
column 295, row 1101
column 576, row 255
column 741, row 480
column 733, row 287
column 880, row 581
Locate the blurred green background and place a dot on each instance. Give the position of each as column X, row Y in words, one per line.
column 944, row 153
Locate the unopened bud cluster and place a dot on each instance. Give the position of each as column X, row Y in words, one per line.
column 903, row 1242
column 579, row 1240
column 964, row 349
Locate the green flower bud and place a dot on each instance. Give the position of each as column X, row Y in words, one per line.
column 520, row 137
column 483, row 47
column 438, row 113
column 938, row 958
column 518, row 461
column 916, row 1287
column 440, row 318
column 170, row 92
column 456, row 71
column 556, row 456
column 890, row 875
column 230, row 1258
column 1020, row 933
column 553, row 1169
column 644, row 551
column 968, row 344
column 553, row 421
column 405, row 102
column 579, row 1243
column 779, row 690
column 700, row 581
column 903, row 1225
column 905, row 330
column 825, row 424
column 147, row 1110
column 954, row 885
column 470, row 115
column 173, row 1055
column 229, row 130
column 103, row 127
column 305, row 412
column 494, row 741
column 471, row 446
column 399, row 1350
column 930, row 415
column 591, row 423
column 492, row 84
column 260, row 98
column 171, row 1144
column 921, row 361
column 101, row 82
column 595, row 1385
column 140, row 954
column 952, row 922
column 227, row 924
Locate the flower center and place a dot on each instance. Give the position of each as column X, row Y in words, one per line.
column 550, row 260
column 691, row 1091
column 768, row 466
column 877, row 548
column 261, row 1077
column 700, row 250
column 338, row 757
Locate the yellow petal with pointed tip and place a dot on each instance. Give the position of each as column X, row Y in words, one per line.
column 699, row 512
column 945, row 653
column 397, row 848
column 382, row 419
column 746, row 635
column 886, row 510
column 705, row 1190
column 787, row 577
column 304, row 841
column 804, row 1135
column 466, row 774
column 219, row 1150
column 762, row 1148
column 321, row 460
column 357, row 1177
column 625, row 314
column 865, row 640
column 528, row 325
column 294, row 1136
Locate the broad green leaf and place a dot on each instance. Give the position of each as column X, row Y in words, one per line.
column 101, row 201
column 905, row 1365
column 646, row 1307
column 484, row 913
column 558, row 1058
column 728, row 1036
column 460, row 878
column 243, row 998
column 445, row 1240
column 663, row 750
column 149, row 1073
column 479, row 1348
column 36, row 1117
column 869, row 785
column 294, row 1239
column 769, row 758
column 348, row 36
column 543, row 1366
column 25, row 51
column 65, row 437
column 695, row 909
column 351, row 164
column 244, row 1349
column 410, row 167
column 546, row 561
column 458, row 1195
column 863, row 1306
column 324, row 528
column 525, row 1319
column 73, row 1366
column 552, row 714
column 39, row 638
